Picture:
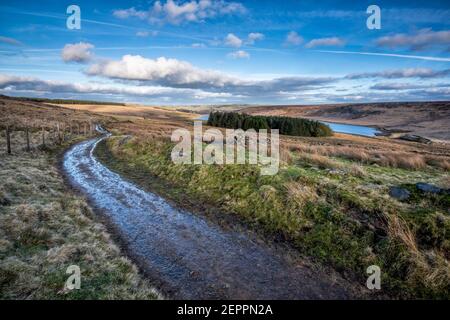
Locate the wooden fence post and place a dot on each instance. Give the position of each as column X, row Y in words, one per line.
column 8, row 140
column 58, row 133
column 43, row 136
column 27, row 133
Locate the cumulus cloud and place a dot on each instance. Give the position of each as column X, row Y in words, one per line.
column 10, row 41
column 232, row 40
column 293, row 39
column 402, row 73
column 325, row 42
column 240, row 54
column 181, row 74
column 424, row 39
column 254, row 36
column 175, row 12
column 131, row 12
column 163, row 71
column 21, row 84
column 77, row 52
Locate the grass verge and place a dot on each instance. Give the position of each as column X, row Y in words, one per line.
column 341, row 216
column 45, row 228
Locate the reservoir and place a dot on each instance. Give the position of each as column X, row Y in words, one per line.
column 336, row 127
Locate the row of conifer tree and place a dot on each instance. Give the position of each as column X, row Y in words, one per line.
column 285, row 125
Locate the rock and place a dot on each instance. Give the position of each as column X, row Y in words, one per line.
column 4, row 200
column 399, row 193
column 414, row 138
column 429, row 188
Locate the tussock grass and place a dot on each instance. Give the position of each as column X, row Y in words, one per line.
column 44, row 229
column 381, row 153
column 330, row 199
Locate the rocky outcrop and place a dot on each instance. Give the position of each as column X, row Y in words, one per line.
column 429, row 188
column 415, row 138
column 399, row 193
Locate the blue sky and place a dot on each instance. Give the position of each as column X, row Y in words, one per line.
column 220, row 52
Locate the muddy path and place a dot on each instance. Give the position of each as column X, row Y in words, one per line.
column 187, row 256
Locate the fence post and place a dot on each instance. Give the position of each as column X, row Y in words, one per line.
column 27, row 133
column 58, row 133
column 43, row 136
column 8, row 140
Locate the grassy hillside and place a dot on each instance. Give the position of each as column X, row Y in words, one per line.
column 45, row 227
column 427, row 119
column 330, row 199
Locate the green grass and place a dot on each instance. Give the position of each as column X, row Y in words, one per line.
column 342, row 218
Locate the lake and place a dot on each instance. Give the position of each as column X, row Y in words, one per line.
column 336, row 127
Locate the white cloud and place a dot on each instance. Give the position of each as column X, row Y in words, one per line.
column 175, row 12
column 131, row 12
column 232, row 40
column 198, row 45
column 402, row 73
column 327, row 42
column 424, row 39
column 181, row 74
column 240, row 54
column 145, row 34
column 401, row 86
column 254, row 36
column 404, row 56
column 77, row 52
column 294, row 39
column 30, row 84
column 161, row 70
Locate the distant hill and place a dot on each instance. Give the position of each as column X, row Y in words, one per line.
column 61, row 101
column 426, row 119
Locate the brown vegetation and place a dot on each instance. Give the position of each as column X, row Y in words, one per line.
column 427, row 119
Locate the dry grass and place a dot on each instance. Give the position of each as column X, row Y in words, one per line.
column 427, row 267
column 135, row 112
column 322, row 162
column 44, row 229
column 371, row 151
column 300, row 193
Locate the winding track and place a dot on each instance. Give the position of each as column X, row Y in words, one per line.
column 188, row 257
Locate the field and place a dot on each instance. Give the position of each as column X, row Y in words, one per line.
column 331, row 199
column 44, row 226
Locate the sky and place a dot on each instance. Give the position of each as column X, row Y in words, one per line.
column 197, row 52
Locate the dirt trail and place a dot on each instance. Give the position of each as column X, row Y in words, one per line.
column 187, row 256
